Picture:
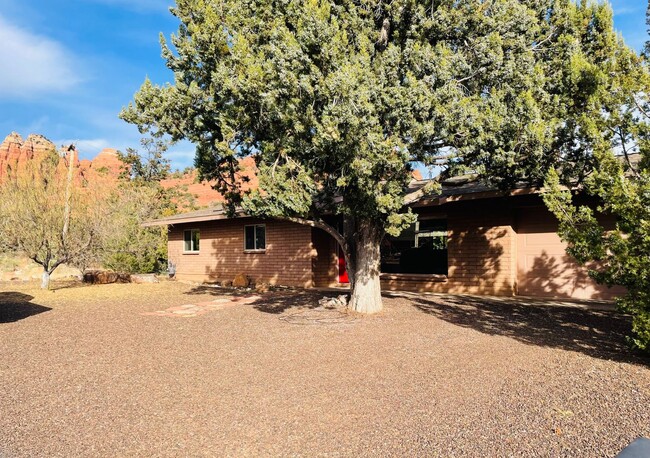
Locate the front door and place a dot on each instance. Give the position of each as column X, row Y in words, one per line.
column 343, row 273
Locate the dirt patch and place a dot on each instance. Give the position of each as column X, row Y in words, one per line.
column 14, row 269
column 86, row 372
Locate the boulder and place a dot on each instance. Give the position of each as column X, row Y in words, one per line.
column 104, row 277
column 144, row 278
column 241, row 281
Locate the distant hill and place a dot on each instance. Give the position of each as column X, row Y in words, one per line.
column 105, row 168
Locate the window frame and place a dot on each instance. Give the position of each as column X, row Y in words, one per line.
column 193, row 249
column 420, row 233
column 427, row 233
column 255, row 249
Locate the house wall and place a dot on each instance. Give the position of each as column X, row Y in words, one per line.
column 287, row 259
column 505, row 247
column 491, row 250
column 325, row 260
column 481, row 249
column 544, row 269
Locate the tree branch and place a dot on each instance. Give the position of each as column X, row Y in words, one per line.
column 320, row 225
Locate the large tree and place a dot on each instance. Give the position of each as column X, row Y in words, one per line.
column 336, row 99
column 620, row 183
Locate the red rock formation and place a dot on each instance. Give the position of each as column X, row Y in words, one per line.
column 16, row 153
column 104, row 170
column 107, row 162
column 203, row 192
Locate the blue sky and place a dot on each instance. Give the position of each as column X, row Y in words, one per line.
column 69, row 66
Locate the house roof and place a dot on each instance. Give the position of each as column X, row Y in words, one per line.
column 464, row 187
column 457, row 188
column 207, row 214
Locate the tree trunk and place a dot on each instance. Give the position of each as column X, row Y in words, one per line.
column 45, row 279
column 365, row 268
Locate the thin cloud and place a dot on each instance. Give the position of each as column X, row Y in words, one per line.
column 627, row 7
column 34, row 64
column 86, row 147
column 139, row 5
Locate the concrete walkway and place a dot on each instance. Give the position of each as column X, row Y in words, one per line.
column 515, row 300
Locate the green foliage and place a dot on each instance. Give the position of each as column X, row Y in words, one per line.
column 150, row 166
column 507, row 86
column 336, row 99
column 129, row 247
column 622, row 188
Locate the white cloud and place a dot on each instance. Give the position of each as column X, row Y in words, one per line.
column 33, row 64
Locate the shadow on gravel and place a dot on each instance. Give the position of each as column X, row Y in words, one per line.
column 218, row 291
column 16, row 306
column 274, row 301
column 599, row 334
column 277, row 303
column 64, row 284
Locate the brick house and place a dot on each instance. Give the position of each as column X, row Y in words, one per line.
column 468, row 240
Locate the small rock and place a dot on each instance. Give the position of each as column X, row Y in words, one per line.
column 144, row 278
column 241, row 281
column 226, row 284
column 262, row 287
column 334, row 302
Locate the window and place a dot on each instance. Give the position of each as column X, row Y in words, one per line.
column 191, row 239
column 255, row 237
column 419, row 249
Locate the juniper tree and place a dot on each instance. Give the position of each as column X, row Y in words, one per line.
column 128, row 246
column 621, row 185
column 336, row 99
column 149, row 166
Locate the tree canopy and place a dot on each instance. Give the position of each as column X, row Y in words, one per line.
column 336, row 99
column 621, row 185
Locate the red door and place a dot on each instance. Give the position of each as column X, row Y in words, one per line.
column 343, row 273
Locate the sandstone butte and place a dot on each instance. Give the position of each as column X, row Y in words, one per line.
column 105, row 168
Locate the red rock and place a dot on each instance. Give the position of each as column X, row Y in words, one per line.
column 105, row 169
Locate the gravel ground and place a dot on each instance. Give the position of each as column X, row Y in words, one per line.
column 84, row 373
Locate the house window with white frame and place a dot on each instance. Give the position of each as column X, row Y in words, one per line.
column 255, row 237
column 191, row 238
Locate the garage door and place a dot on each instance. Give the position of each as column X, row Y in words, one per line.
column 543, row 267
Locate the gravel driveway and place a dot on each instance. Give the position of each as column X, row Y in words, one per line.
column 84, row 371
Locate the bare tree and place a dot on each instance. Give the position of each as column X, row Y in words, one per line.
column 48, row 218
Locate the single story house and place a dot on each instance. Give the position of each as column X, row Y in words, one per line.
column 470, row 239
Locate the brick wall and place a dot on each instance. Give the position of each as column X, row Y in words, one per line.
column 325, row 261
column 483, row 258
column 287, row 259
column 481, row 249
